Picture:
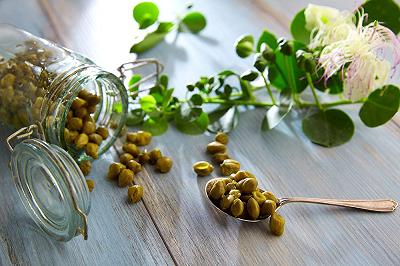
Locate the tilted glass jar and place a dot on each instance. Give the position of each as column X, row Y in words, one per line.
column 39, row 82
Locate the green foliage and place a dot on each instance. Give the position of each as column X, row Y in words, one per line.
column 153, row 38
column 298, row 28
column 385, row 11
column 145, row 14
column 190, row 120
column 381, row 106
column 244, row 46
column 194, row 22
column 267, row 38
column 275, row 114
column 328, row 128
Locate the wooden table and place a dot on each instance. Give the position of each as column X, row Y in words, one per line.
column 174, row 223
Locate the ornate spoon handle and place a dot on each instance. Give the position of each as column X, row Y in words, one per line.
column 380, row 205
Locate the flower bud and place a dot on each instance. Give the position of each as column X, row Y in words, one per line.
column 285, row 46
column 268, row 54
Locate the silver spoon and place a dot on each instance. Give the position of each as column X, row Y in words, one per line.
column 379, row 205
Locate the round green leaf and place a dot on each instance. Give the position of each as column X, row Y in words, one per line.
column 132, row 82
column 191, row 121
column 298, row 28
column 249, row 75
column 148, row 103
column 153, row 38
column 244, row 46
column 196, row 99
column 328, row 128
column 145, row 13
column 269, row 39
column 155, row 126
column 386, row 12
column 381, row 106
column 194, row 21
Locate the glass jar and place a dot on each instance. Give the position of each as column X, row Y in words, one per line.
column 43, row 86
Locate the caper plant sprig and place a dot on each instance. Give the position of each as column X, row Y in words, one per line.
column 146, row 15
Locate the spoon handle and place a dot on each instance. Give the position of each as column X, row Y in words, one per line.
column 380, row 205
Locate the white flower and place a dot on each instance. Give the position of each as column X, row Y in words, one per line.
column 363, row 58
column 319, row 16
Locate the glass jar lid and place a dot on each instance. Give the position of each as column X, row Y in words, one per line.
column 50, row 185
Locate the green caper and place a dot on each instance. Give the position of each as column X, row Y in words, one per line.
column 131, row 148
column 217, row 190
column 95, row 138
column 89, row 118
column 125, row 158
column 89, row 127
column 245, row 197
column 114, row 170
column 220, row 157
column 235, row 193
column 81, row 141
column 90, row 184
column 70, row 114
column 70, row 135
column 143, row 138
column 229, row 166
column 143, row 157
column 240, row 175
column 85, row 167
column 81, row 112
column 154, row 156
column 131, row 137
column 91, row 109
column 125, row 177
column 237, row 208
column 277, row 224
column 267, row 208
column 8, row 80
column 103, row 132
column 226, row 202
column 78, row 103
column 216, row 147
column 230, row 186
column 222, row 138
column 92, row 149
column 164, row 164
column 75, row 123
column 259, row 197
column 93, row 99
column 247, row 185
column 253, row 209
column 83, row 94
column 134, row 166
column 135, row 193
column 270, row 196
column 203, row 168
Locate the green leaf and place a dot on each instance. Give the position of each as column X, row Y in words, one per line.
column 298, row 28
column 328, row 128
column 244, row 46
column 385, row 11
column 267, row 38
column 135, row 117
column 148, row 103
column 153, row 38
column 381, row 106
column 132, row 82
column 156, row 126
column 196, row 99
column 223, row 119
column 191, row 121
column 249, row 75
column 334, row 85
column 275, row 114
column 226, row 73
column 164, row 81
column 117, row 107
column 194, row 21
column 146, row 14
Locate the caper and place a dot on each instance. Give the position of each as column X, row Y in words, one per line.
column 85, row 167
column 143, row 157
column 114, row 170
column 235, row 193
column 226, row 202
column 83, row 94
column 222, row 138
column 90, row 184
column 267, row 208
column 135, row 193
column 143, row 138
column 89, row 118
column 92, row 149
column 259, row 197
column 220, row 157
column 240, row 175
column 253, row 209
column 131, row 137
column 134, row 166
column 216, row 147
column 230, row 186
column 93, row 99
column 203, row 168
column 270, row 196
column 89, row 127
column 81, row 141
column 277, row 224
column 78, row 103
column 70, row 135
column 217, row 190
column 237, row 208
column 103, row 132
column 125, row 177
column 125, row 158
column 81, row 112
column 154, row 156
column 229, row 166
column 70, row 114
column 91, row 109
column 131, row 148
column 8, row 80
column 164, row 164
column 95, row 138
column 245, row 197
column 75, row 123
column 247, row 185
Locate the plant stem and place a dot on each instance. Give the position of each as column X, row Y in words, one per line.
column 268, row 89
column 237, row 102
column 310, row 83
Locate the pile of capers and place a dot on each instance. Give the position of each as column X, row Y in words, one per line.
column 131, row 161
column 239, row 196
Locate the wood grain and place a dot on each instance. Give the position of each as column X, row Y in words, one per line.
column 174, row 218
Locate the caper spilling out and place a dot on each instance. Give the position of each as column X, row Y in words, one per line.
column 203, row 168
column 240, row 196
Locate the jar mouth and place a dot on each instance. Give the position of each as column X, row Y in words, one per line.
column 49, row 183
